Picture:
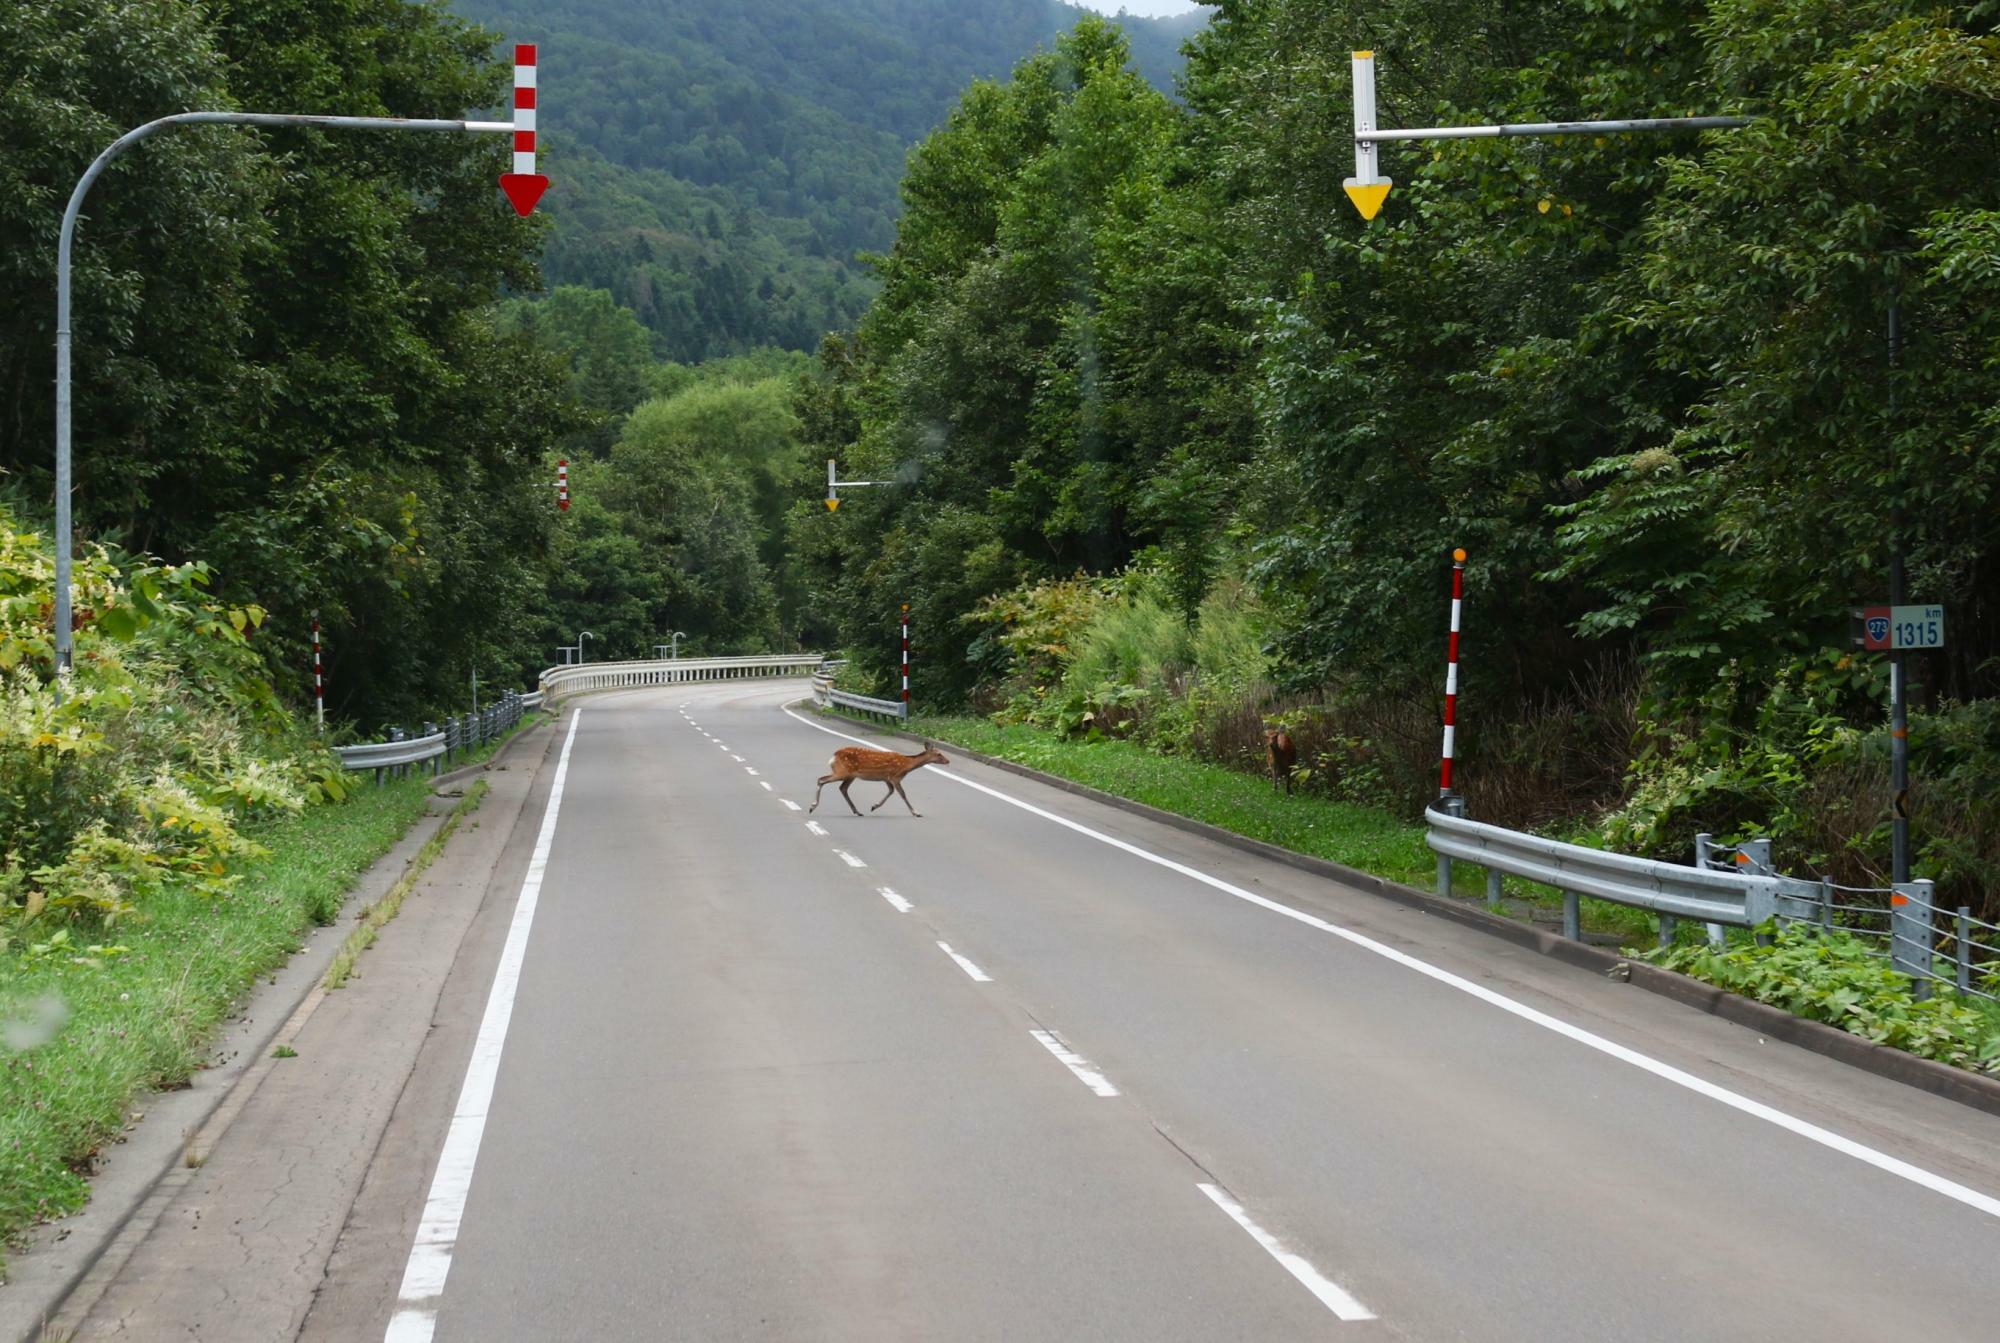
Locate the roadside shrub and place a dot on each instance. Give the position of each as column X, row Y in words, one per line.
column 1830, row 977
column 1803, row 758
column 165, row 740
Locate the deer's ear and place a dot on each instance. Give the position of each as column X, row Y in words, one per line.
column 927, row 746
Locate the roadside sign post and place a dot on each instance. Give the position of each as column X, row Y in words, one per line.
column 523, row 188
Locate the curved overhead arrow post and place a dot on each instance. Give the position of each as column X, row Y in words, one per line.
column 523, row 189
column 1368, row 188
column 834, row 486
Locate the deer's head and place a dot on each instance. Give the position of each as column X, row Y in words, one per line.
column 931, row 755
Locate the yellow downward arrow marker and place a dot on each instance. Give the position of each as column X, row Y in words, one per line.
column 1368, row 196
column 832, row 505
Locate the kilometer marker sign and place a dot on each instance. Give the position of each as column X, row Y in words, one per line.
column 524, row 186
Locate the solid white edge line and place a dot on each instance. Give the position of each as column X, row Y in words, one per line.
column 977, row 975
column 1076, row 1063
column 1811, row 1132
column 896, row 902
column 1330, row 1293
column 437, row 1233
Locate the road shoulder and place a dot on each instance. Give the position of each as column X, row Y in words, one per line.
column 270, row 1164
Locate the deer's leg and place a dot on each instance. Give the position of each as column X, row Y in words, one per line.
column 846, row 784
column 824, row 780
column 886, row 796
column 906, row 798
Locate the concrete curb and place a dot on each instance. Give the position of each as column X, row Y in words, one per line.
column 464, row 772
column 1940, row 1079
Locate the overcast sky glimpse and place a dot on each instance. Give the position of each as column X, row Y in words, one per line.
column 1151, row 9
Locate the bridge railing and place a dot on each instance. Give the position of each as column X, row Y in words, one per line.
column 560, row 681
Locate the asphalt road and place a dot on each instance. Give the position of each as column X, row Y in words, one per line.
column 1033, row 1068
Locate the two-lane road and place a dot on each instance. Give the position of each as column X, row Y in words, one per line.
column 1033, row 1068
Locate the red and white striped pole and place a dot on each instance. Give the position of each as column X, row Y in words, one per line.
column 524, row 186
column 319, row 680
column 1451, row 671
column 906, row 659
column 562, row 484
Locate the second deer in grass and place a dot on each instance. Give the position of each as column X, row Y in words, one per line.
column 1284, row 756
column 854, row 762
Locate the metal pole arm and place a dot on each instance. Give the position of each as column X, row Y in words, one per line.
column 1559, row 128
column 64, row 617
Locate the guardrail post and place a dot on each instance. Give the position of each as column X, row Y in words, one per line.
column 1704, row 858
column 1451, row 805
column 1826, row 904
column 1669, row 925
column 437, row 761
column 1572, row 916
column 1963, row 952
column 1754, row 855
column 1912, row 933
column 1493, row 888
column 396, row 734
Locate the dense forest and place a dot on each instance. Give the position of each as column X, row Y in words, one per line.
column 1156, row 392
column 1181, row 445
column 718, row 169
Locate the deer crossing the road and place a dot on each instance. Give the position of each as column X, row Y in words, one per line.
column 854, row 762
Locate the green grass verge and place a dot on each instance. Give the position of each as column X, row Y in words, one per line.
column 1372, row 840
column 1361, row 837
column 84, row 1026
column 371, row 920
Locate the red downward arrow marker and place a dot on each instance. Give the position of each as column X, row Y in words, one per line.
column 524, row 189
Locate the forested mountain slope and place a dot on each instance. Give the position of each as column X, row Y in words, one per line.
column 718, row 167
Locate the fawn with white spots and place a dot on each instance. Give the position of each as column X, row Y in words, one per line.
column 856, row 762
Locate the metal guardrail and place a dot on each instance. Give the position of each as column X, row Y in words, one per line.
column 560, row 681
column 826, row 697
column 1733, row 886
column 1738, row 899
column 437, row 743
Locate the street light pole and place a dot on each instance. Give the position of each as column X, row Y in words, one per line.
column 64, row 617
column 579, row 645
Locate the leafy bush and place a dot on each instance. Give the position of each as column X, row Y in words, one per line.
column 1831, row 977
column 165, row 740
column 1803, row 758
